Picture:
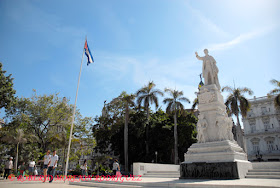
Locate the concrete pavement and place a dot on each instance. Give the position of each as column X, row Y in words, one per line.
column 146, row 182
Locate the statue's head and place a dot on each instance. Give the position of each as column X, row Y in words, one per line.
column 206, row 51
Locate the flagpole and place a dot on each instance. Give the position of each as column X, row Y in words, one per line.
column 73, row 117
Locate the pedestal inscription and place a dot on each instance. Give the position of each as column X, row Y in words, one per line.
column 222, row 170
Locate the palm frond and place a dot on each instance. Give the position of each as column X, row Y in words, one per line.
column 167, row 100
column 246, row 90
column 228, row 89
column 185, row 99
column 244, row 106
column 195, row 103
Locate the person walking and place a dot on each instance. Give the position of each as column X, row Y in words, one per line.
column 22, row 169
column 47, row 159
column 84, row 168
column 8, row 167
column 31, row 167
column 52, row 166
column 116, row 166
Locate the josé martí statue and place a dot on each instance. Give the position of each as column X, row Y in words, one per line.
column 216, row 154
column 209, row 69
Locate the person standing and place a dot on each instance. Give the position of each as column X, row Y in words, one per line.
column 116, row 166
column 84, row 168
column 52, row 166
column 47, row 159
column 31, row 167
column 8, row 167
column 22, row 168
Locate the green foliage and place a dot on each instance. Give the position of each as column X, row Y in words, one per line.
column 6, row 89
column 108, row 132
column 236, row 102
column 276, row 91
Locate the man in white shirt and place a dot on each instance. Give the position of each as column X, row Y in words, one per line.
column 47, row 159
column 8, row 167
column 31, row 167
column 52, row 165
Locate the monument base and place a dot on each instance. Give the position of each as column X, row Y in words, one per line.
column 215, row 160
column 218, row 170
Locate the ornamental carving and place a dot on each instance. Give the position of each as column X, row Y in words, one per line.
column 206, row 97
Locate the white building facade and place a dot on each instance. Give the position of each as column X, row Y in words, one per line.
column 262, row 130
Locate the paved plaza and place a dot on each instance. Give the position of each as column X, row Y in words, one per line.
column 147, row 182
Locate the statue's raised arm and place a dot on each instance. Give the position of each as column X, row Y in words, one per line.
column 209, row 69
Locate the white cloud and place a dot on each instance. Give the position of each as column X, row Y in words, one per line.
column 241, row 38
column 206, row 22
column 181, row 74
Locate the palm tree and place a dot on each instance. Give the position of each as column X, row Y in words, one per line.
column 148, row 95
column 16, row 136
column 126, row 101
column 276, row 91
column 236, row 102
column 174, row 106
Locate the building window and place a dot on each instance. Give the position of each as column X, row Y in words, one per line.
column 252, row 124
column 270, row 145
column 266, row 123
column 256, row 146
column 253, row 128
column 264, row 110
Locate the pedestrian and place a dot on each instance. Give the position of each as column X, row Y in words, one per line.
column 47, row 159
column 52, row 166
column 8, row 167
column 22, row 169
column 31, row 167
column 116, row 166
column 84, row 168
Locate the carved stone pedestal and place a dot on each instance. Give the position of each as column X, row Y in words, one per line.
column 216, row 155
column 219, row 170
column 215, row 160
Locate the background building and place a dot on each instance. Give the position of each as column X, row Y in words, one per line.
column 262, row 130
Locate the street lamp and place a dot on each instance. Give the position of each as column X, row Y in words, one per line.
column 156, row 155
column 259, row 156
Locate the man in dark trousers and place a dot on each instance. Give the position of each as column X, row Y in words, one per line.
column 8, row 167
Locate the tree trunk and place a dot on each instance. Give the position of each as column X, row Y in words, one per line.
column 147, row 135
column 175, row 140
column 16, row 159
column 126, row 138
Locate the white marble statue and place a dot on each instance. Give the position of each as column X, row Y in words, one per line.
column 201, row 128
column 209, row 69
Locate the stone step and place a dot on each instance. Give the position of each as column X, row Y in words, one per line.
column 264, row 170
column 263, row 176
column 103, row 184
column 263, row 173
column 161, row 176
column 165, row 172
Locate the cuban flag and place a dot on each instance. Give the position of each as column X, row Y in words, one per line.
column 88, row 54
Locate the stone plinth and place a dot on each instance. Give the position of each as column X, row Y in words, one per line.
column 219, row 151
column 216, row 155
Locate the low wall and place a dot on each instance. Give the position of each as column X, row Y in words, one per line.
column 266, row 165
column 142, row 168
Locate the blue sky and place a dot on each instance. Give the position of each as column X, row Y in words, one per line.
column 133, row 42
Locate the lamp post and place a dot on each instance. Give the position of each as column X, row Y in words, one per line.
column 259, row 156
column 156, row 155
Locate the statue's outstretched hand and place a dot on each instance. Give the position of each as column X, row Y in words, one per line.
column 196, row 53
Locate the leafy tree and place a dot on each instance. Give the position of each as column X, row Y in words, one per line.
column 6, row 89
column 236, row 102
column 15, row 135
column 127, row 101
column 45, row 116
column 276, row 91
column 174, row 106
column 148, row 95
